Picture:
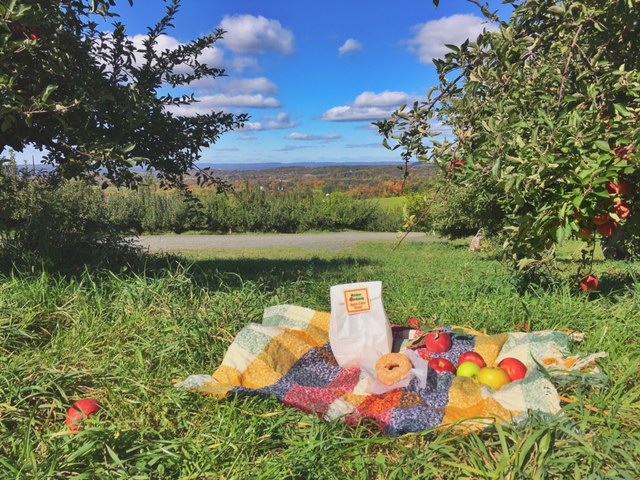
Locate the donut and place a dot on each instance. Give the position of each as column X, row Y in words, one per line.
column 392, row 367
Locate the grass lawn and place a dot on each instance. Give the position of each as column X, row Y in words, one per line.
column 124, row 338
column 391, row 204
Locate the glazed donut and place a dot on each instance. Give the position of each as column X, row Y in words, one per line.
column 392, row 367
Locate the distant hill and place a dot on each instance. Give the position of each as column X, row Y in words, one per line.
column 274, row 165
column 247, row 167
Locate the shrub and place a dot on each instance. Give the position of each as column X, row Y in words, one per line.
column 55, row 221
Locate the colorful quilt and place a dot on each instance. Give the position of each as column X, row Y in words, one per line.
column 288, row 357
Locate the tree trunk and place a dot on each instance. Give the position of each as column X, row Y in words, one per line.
column 476, row 243
column 613, row 247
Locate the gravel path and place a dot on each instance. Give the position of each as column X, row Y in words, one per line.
column 312, row 241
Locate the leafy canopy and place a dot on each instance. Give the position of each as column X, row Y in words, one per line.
column 549, row 105
column 92, row 100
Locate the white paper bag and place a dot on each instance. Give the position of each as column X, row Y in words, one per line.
column 359, row 332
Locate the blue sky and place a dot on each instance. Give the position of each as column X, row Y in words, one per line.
column 312, row 75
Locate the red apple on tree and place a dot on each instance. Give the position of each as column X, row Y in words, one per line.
column 607, row 229
column 622, row 188
column 442, row 365
column 514, row 368
column 472, row 357
column 622, row 209
column 601, row 219
column 438, row 342
column 584, row 233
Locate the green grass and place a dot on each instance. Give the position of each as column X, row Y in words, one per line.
column 125, row 338
column 391, row 204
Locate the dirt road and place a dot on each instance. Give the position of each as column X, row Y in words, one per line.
column 311, row 241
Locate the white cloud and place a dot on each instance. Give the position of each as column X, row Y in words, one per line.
column 251, row 34
column 279, row 122
column 210, row 56
column 368, row 106
column 314, row 138
column 245, row 101
column 240, row 64
column 210, row 103
column 364, row 145
column 350, row 47
column 384, row 99
column 250, row 85
column 291, row 148
column 430, row 38
column 237, row 86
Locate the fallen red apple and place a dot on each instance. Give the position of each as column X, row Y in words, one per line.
column 472, row 357
column 589, row 284
column 442, row 365
column 414, row 322
column 81, row 410
column 494, row 377
column 514, row 368
column 468, row 369
column 607, row 229
column 438, row 342
column 622, row 210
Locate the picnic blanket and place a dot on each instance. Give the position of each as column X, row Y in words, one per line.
column 288, row 357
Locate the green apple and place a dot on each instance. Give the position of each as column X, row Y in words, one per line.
column 468, row 369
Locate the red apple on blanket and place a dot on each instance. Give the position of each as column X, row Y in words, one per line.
column 81, row 410
column 472, row 357
column 438, row 342
column 468, row 369
column 514, row 368
column 494, row 377
column 442, row 365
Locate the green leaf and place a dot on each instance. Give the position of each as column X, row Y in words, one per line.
column 621, row 109
column 602, row 145
column 496, row 166
column 577, row 201
column 525, row 262
column 129, row 148
column 48, row 91
column 556, row 9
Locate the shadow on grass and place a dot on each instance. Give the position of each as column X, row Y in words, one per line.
column 126, row 260
column 613, row 283
column 272, row 273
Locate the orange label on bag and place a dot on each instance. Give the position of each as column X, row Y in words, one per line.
column 357, row 301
